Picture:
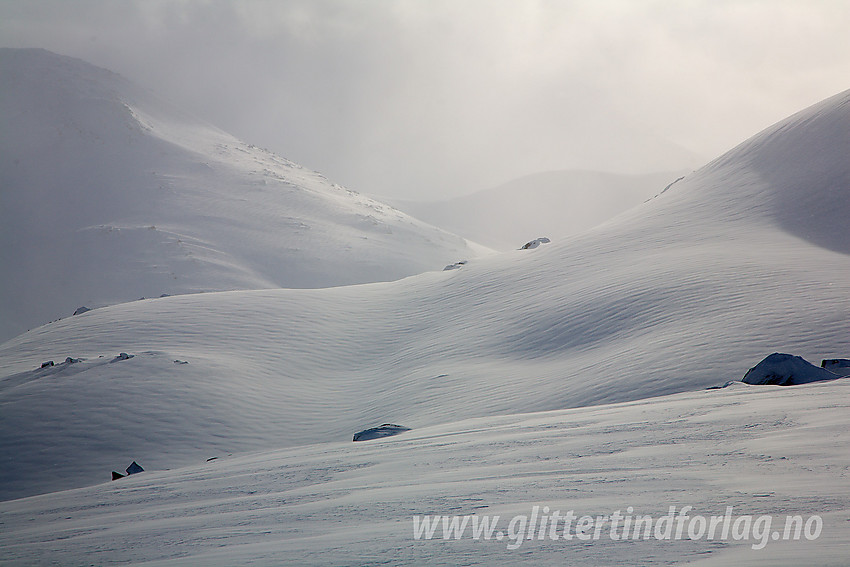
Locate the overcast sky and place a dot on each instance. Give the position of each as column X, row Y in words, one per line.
column 424, row 99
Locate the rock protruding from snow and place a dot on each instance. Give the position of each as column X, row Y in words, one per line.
column 786, row 370
column 385, row 430
column 535, row 243
column 134, row 468
column 840, row 366
column 455, row 266
column 81, row 310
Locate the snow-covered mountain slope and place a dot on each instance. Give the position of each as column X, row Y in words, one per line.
column 683, row 292
column 766, row 451
column 108, row 194
column 555, row 204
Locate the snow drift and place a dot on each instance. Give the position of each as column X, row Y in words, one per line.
column 677, row 294
column 110, row 194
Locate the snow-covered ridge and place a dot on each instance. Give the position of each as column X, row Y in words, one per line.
column 110, row 194
column 793, row 176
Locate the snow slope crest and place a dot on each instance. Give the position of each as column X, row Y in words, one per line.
column 794, row 175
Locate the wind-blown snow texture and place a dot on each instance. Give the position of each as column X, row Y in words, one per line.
column 684, row 292
column 764, row 450
column 108, row 194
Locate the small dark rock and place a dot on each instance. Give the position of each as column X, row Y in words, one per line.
column 47, row 364
column 116, row 475
column 385, row 430
column 535, row 243
column 456, row 265
column 134, row 468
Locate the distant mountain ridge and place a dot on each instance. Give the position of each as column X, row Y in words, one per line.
column 555, row 204
column 108, row 194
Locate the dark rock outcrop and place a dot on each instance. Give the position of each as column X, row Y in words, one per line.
column 385, row 430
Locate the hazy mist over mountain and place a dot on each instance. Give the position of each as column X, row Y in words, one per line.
column 428, row 100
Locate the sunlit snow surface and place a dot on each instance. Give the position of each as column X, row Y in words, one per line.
column 685, row 292
column 743, row 258
column 764, row 450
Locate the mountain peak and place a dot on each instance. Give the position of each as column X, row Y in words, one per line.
column 111, row 194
